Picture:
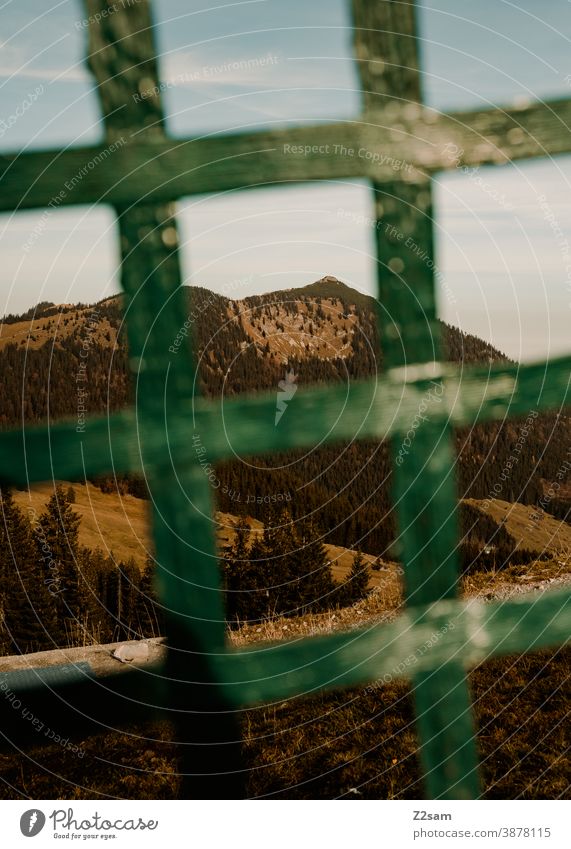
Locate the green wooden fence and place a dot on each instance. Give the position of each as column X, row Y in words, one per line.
column 140, row 173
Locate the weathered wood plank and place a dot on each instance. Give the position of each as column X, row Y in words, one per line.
column 68, row 451
column 386, row 49
column 122, row 57
column 99, row 658
column 418, row 641
column 421, row 640
column 423, row 488
column 366, row 409
column 129, row 170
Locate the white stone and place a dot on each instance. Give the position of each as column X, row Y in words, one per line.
column 129, row 652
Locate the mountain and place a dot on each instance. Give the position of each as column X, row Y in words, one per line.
column 323, row 332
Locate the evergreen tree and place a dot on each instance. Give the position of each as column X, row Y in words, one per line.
column 96, row 570
column 123, row 587
column 150, row 616
column 356, row 585
column 28, row 622
column 57, row 541
column 276, row 564
column 256, row 576
column 310, row 569
column 285, row 572
column 236, row 576
column 252, row 598
column 130, row 580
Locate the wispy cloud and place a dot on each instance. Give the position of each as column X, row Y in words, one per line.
column 23, row 61
column 188, row 70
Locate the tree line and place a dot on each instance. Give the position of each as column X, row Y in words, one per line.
column 285, row 571
column 56, row 593
column 347, row 486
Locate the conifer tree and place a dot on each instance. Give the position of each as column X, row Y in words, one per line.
column 278, row 578
column 356, row 585
column 123, row 587
column 312, row 578
column 58, row 533
column 236, row 576
column 283, row 573
column 28, row 622
column 129, row 582
column 149, row 613
column 97, row 568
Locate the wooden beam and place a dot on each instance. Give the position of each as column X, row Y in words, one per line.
column 122, row 57
column 386, row 49
column 397, row 138
column 387, row 42
column 419, row 640
column 463, row 632
column 367, row 409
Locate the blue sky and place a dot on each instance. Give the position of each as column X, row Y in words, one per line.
column 502, row 261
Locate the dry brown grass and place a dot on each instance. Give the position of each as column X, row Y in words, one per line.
column 33, row 333
column 361, row 745
column 349, row 744
column 120, row 524
column 357, row 744
column 513, row 580
column 531, row 527
column 117, row 524
column 380, row 606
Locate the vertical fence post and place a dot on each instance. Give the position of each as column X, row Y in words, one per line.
column 122, row 58
column 423, row 484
